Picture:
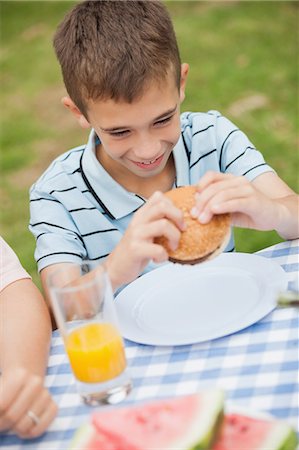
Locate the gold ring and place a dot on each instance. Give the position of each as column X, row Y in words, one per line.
column 33, row 417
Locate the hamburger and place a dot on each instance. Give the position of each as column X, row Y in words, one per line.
column 198, row 242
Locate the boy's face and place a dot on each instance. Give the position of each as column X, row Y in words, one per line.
column 137, row 138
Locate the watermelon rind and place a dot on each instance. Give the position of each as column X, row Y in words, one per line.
column 282, row 437
column 82, row 435
column 205, row 425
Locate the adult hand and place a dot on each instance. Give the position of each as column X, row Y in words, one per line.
column 220, row 193
column 23, row 393
column 157, row 217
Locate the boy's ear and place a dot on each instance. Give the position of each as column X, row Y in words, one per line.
column 184, row 74
column 70, row 105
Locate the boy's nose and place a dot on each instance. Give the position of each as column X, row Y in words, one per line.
column 148, row 149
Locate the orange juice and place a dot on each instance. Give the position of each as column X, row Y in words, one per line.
column 96, row 352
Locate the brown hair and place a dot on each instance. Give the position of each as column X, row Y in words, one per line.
column 111, row 49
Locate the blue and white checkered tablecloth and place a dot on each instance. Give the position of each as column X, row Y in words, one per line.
column 257, row 367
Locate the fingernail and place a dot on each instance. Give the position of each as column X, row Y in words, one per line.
column 194, row 212
column 183, row 226
column 203, row 218
column 173, row 246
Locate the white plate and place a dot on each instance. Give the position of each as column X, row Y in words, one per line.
column 180, row 304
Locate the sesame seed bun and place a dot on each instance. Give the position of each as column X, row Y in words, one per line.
column 198, row 242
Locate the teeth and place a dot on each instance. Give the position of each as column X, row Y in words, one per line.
column 149, row 162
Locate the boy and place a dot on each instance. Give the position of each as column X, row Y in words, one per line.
column 104, row 201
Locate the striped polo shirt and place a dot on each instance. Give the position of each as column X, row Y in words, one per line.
column 78, row 211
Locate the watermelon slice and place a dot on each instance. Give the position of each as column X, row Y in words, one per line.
column 248, row 433
column 184, row 423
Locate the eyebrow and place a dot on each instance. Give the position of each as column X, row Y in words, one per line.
column 161, row 116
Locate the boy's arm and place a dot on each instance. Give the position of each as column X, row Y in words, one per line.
column 287, row 223
column 25, row 333
column 266, row 203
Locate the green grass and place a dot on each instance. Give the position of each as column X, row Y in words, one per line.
column 243, row 60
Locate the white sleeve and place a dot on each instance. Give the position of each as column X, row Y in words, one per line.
column 10, row 267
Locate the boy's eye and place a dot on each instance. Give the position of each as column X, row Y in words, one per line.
column 119, row 133
column 123, row 133
column 163, row 121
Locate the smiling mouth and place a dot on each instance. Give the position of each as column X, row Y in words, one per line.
column 149, row 164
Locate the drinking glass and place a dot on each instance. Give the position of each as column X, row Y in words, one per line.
column 82, row 302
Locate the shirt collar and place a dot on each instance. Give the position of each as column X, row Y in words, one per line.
column 181, row 163
column 116, row 201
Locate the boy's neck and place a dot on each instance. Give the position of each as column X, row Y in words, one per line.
column 144, row 187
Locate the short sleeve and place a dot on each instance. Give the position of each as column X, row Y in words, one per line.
column 57, row 238
column 237, row 154
column 10, row 267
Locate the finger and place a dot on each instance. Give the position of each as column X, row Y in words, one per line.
column 160, row 206
column 159, row 254
column 36, row 407
column 154, row 252
column 219, row 192
column 47, row 418
column 211, row 177
column 244, row 211
column 11, row 389
column 154, row 199
column 240, row 210
column 44, row 409
column 157, row 207
column 162, row 227
column 220, row 186
column 223, row 205
column 29, row 392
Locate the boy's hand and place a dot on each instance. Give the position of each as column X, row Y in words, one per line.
column 225, row 193
column 21, row 392
column 157, row 217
